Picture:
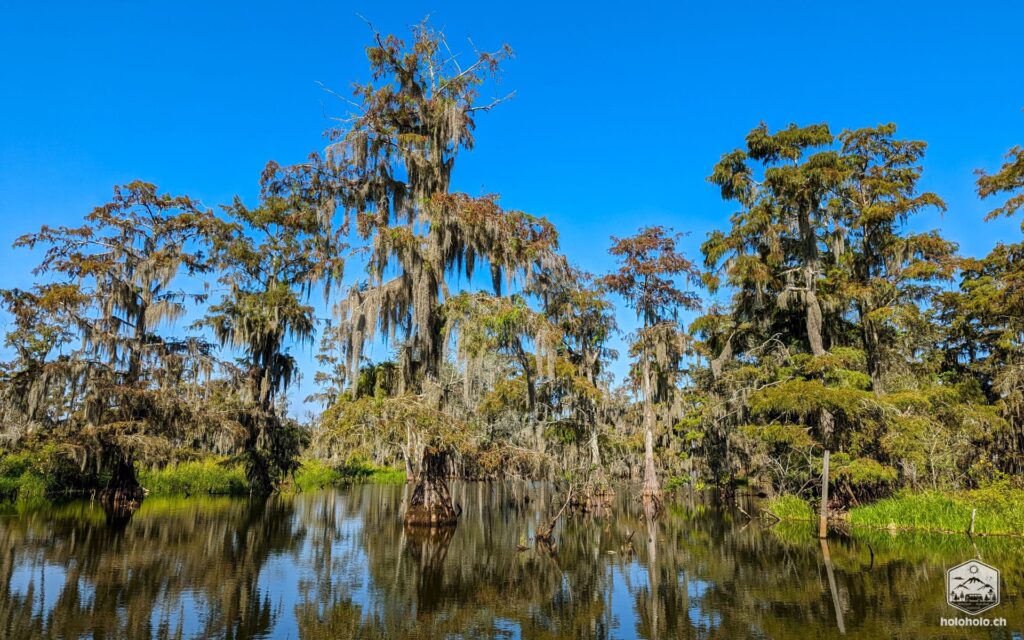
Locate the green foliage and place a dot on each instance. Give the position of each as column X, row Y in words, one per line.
column 679, row 482
column 789, row 507
column 1008, row 180
column 1000, row 510
column 19, row 479
column 44, row 472
column 861, row 475
column 808, row 398
column 212, row 476
column 317, row 474
column 789, row 435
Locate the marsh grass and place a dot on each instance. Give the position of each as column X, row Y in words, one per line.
column 789, row 508
column 317, row 474
column 211, row 476
column 34, row 476
column 1000, row 511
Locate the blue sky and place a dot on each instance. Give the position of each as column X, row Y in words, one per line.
column 620, row 110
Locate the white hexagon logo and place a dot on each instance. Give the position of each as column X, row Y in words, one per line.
column 972, row 587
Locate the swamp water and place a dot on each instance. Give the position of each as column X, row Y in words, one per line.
column 339, row 564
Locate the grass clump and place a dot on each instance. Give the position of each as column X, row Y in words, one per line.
column 1000, row 511
column 371, row 473
column 213, row 476
column 789, row 508
column 317, row 474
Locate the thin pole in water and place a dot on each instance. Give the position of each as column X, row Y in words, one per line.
column 823, row 517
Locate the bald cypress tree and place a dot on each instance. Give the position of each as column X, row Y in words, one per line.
column 117, row 398
column 391, row 166
column 649, row 277
column 776, row 253
column 885, row 271
column 271, row 258
column 984, row 322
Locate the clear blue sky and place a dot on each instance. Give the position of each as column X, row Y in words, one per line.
column 620, row 112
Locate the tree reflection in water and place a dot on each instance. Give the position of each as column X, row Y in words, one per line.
column 340, row 564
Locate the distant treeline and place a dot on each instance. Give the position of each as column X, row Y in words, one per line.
column 157, row 331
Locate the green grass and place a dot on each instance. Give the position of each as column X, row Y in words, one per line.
column 373, row 474
column 789, row 508
column 42, row 475
column 315, row 474
column 213, row 476
column 1000, row 511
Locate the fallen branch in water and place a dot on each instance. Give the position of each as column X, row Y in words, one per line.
column 545, row 536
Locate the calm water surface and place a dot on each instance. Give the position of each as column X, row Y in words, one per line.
column 338, row 564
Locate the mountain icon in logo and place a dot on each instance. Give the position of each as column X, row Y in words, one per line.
column 972, row 587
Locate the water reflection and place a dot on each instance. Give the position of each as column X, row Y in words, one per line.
column 341, row 565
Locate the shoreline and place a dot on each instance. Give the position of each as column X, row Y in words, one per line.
column 996, row 511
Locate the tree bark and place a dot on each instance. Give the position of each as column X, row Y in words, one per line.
column 431, row 503
column 651, row 487
column 810, row 272
column 718, row 363
column 122, row 493
column 814, row 322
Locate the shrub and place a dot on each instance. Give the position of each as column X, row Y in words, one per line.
column 41, row 472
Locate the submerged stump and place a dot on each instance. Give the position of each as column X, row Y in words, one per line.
column 431, row 503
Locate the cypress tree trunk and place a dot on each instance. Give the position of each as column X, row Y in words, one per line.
column 257, row 464
column 258, row 475
column 814, row 322
column 431, row 503
column 595, row 451
column 810, row 258
column 651, row 487
column 122, row 493
column 597, row 495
